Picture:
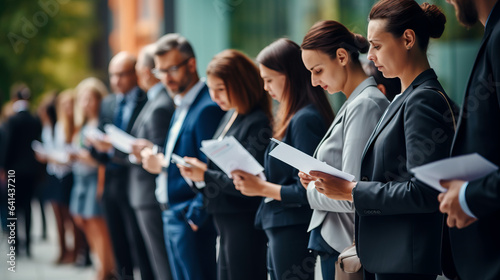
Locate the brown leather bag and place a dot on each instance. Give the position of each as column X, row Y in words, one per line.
column 348, row 265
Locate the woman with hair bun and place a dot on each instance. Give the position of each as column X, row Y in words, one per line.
column 331, row 52
column 398, row 225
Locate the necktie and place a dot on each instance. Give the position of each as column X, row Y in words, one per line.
column 118, row 122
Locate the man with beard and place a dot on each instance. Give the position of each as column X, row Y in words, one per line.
column 189, row 231
column 474, row 207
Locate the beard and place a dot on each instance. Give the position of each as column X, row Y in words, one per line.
column 466, row 12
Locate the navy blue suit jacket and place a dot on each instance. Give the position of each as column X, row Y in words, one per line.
column 398, row 223
column 200, row 124
column 305, row 130
column 476, row 248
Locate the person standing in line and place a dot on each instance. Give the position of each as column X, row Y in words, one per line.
column 189, row 232
column 151, row 125
column 474, row 207
column 398, row 223
column 121, row 109
column 331, row 53
column 85, row 204
column 235, row 85
column 302, row 119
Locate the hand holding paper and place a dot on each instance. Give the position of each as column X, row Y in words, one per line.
column 119, row 138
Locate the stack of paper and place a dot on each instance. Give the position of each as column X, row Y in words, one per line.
column 466, row 168
column 229, row 155
column 119, row 138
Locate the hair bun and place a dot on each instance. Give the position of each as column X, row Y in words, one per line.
column 361, row 43
column 436, row 19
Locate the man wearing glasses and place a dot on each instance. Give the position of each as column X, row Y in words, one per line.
column 189, row 231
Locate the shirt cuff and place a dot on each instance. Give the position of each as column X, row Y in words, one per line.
column 463, row 200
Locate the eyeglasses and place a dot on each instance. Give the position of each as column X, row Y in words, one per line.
column 173, row 70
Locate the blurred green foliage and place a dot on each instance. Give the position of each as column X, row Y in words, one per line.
column 45, row 43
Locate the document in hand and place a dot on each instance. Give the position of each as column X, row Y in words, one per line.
column 59, row 156
column 466, row 167
column 304, row 162
column 229, row 155
column 119, row 138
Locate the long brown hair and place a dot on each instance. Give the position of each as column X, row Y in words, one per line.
column 427, row 21
column 244, row 85
column 284, row 56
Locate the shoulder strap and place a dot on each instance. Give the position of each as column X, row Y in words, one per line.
column 449, row 106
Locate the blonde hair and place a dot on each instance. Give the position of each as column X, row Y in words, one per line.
column 67, row 123
column 99, row 90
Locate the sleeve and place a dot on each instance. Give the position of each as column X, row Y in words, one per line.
column 463, row 201
column 360, row 119
column 306, row 132
column 483, row 195
column 423, row 118
column 207, row 123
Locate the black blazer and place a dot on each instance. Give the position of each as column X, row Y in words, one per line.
column 152, row 124
column 106, row 116
column 398, row 223
column 476, row 248
column 253, row 131
column 19, row 131
column 305, row 130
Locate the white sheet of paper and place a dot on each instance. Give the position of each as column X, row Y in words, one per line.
column 59, row 156
column 229, row 155
column 304, row 162
column 119, row 138
column 94, row 133
column 466, row 167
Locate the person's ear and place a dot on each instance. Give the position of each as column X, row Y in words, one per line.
column 382, row 88
column 342, row 56
column 192, row 65
column 409, row 38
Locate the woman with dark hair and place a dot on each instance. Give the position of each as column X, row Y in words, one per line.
column 399, row 226
column 302, row 118
column 235, row 85
column 331, row 52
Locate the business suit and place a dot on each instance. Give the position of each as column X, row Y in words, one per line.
column 233, row 212
column 20, row 130
column 342, row 148
column 398, row 222
column 123, row 228
column 194, row 252
column 152, row 124
column 285, row 222
column 476, row 248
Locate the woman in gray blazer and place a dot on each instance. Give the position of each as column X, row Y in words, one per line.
column 330, row 51
column 398, row 223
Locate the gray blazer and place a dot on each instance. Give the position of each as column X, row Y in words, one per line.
column 342, row 148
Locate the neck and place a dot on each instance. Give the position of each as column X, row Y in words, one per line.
column 193, row 82
column 356, row 76
column 484, row 9
column 413, row 69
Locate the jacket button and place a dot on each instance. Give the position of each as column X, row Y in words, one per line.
column 364, row 178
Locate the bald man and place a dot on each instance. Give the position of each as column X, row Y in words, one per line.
column 121, row 109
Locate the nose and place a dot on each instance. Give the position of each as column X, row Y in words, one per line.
column 314, row 81
column 370, row 54
column 266, row 86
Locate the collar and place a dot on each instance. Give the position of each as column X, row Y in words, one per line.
column 493, row 17
column 154, row 90
column 428, row 74
column 370, row 81
column 188, row 98
column 20, row 105
column 129, row 97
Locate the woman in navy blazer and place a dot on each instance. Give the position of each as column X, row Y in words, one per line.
column 302, row 119
column 398, row 224
column 235, row 85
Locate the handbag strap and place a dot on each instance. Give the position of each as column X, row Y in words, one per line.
column 449, row 106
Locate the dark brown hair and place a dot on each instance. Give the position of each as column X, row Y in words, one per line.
column 328, row 36
column 244, row 85
column 427, row 21
column 284, row 56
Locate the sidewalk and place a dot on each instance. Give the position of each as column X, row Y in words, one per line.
column 43, row 255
